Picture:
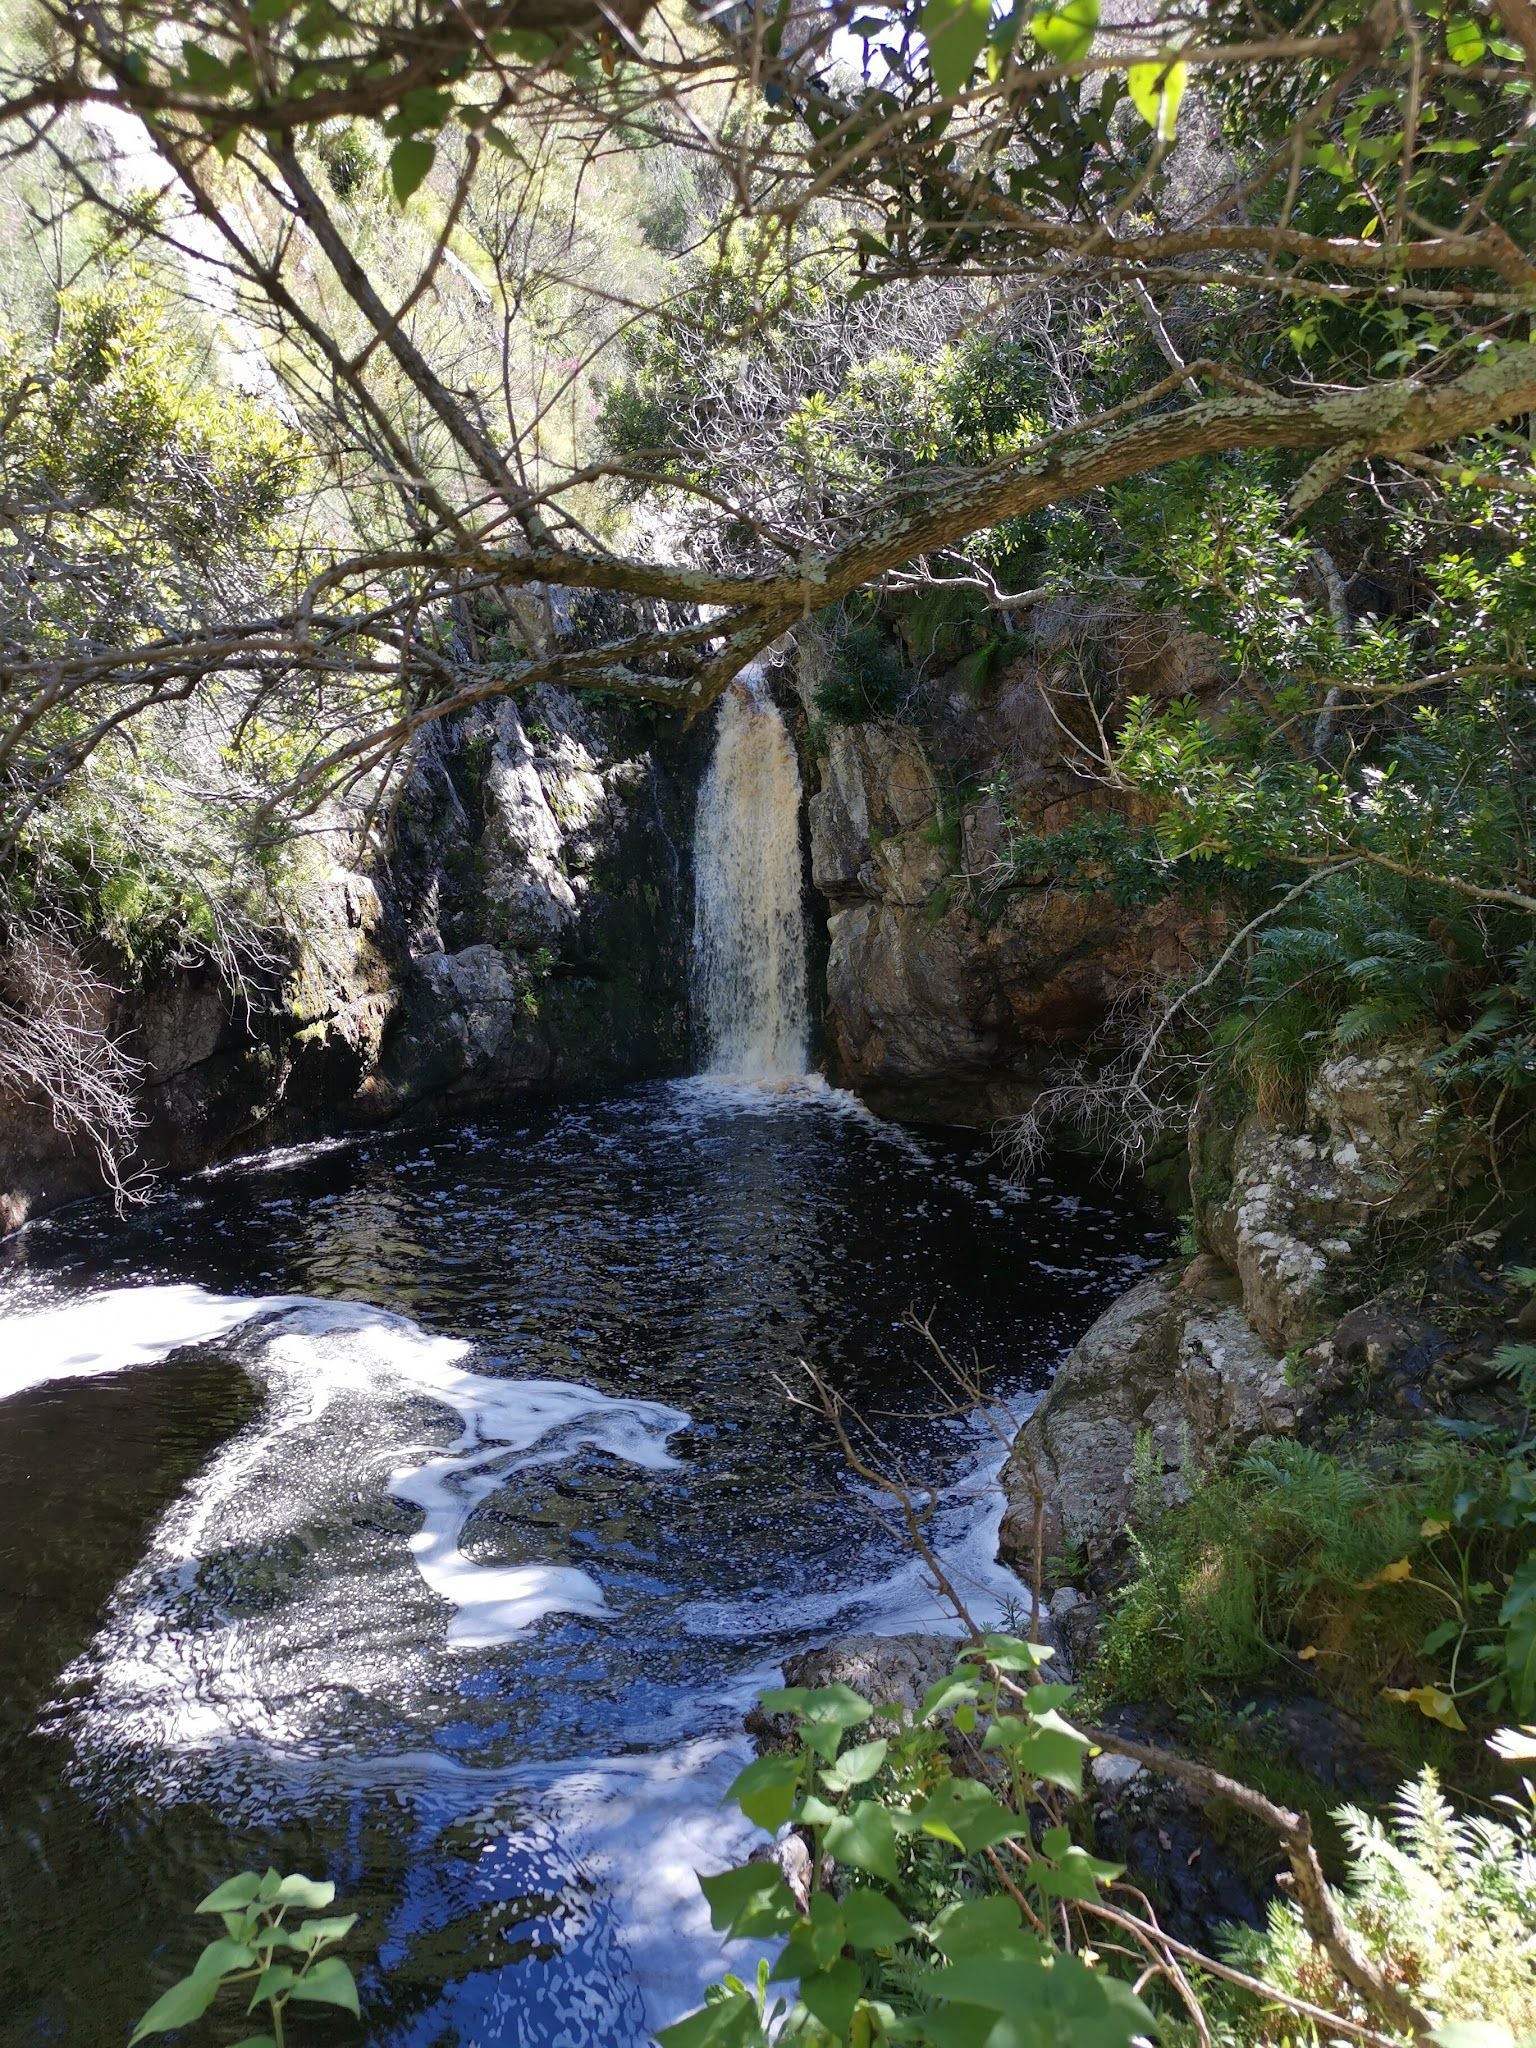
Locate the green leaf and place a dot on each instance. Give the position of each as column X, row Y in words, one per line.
column 311, row 1934
column 855, row 1766
column 185, row 2002
column 232, row 1894
column 1066, row 31
column 1011, row 1653
column 1156, row 90
column 329, row 1982
column 1518, row 1614
column 831, row 1995
column 954, row 31
column 873, row 1921
column 865, row 1839
column 752, row 1899
column 837, row 1704
column 730, row 2022
column 991, row 1926
column 531, row 44
column 1045, row 1746
column 222, row 1956
column 948, row 1693
column 765, row 1790
column 824, row 1713
column 1076, row 1874
column 309, row 1894
column 964, row 1812
column 203, row 69
column 409, row 163
column 1054, row 2003
column 816, row 1940
column 273, row 1981
column 1464, row 44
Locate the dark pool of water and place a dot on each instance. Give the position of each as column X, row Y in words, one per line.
column 226, row 1637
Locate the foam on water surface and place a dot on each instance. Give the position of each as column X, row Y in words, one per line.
column 493, row 1581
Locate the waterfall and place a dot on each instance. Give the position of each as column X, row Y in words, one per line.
column 749, row 923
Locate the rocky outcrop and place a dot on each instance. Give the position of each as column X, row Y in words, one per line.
column 523, row 924
column 1281, row 1325
column 1292, row 1208
column 1167, row 1377
column 543, row 872
column 952, row 986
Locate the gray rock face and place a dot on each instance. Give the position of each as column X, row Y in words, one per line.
column 1300, row 1203
column 888, row 1671
column 1181, row 1370
column 548, row 910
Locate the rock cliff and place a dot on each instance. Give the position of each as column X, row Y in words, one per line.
column 952, row 986
column 521, row 921
column 1287, row 1319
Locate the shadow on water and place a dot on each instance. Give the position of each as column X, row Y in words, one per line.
column 262, row 1600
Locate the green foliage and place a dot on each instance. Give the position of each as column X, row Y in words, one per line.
column 1444, row 1905
column 1416, row 1587
column 279, row 1963
column 915, row 1938
column 865, row 679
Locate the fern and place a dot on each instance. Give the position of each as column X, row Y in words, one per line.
column 1443, row 1903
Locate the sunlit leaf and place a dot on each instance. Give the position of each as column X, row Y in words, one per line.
column 1156, row 90
column 1434, row 1704
column 1066, row 31
column 955, row 31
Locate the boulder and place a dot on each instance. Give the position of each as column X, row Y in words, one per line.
column 888, row 1671
column 1174, row 1368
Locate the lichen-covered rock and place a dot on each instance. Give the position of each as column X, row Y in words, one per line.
column 1172, row 1365
column 1299, row 1204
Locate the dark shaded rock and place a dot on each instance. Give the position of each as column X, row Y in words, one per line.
column 525, row 926
column 888, row 1671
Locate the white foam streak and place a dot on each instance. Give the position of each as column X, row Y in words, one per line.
column 510, row 1426
column 315, row 1357
column 88, row 1335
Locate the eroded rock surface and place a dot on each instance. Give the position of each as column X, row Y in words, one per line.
column 1174, row 1365
column 1294, row 1207
column 946, row 995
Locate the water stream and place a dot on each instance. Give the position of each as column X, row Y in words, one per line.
column 426, row 1511
column 749, row 920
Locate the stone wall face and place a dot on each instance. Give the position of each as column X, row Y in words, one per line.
column 947, row 995
column 524, row 923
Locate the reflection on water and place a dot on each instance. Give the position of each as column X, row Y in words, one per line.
column 447, row 1557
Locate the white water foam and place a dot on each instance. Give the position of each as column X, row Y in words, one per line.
column 749, row 922
column 195, row 1660
column 317, row 1355
column 87, row 1335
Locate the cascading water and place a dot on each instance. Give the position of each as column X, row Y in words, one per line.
column 749, row 922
